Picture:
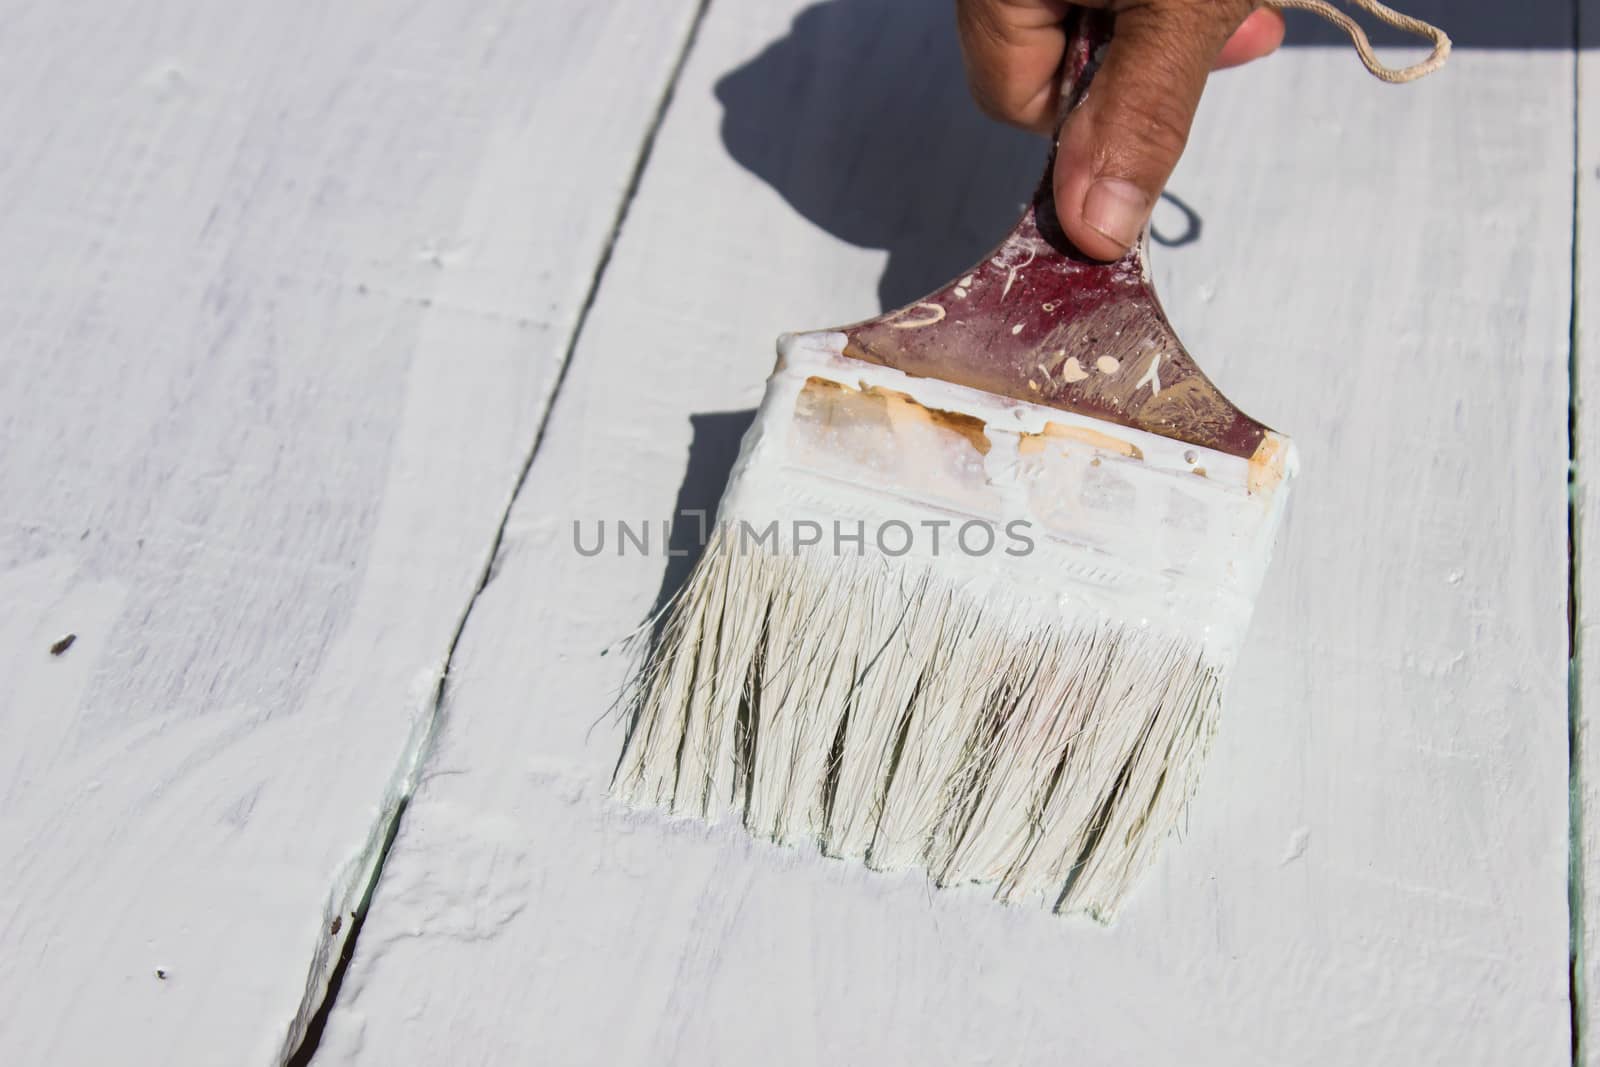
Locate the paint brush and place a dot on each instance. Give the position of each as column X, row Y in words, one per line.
column 976, row 582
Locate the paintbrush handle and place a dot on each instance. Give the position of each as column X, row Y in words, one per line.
column 1088, row 33
column 1039, row 321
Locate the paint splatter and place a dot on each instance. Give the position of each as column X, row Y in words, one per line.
column 931, row 313
column 1107, row 364
column 1297, row 846
column 1072, row 370
column 1011, row 275
column 1151, row 378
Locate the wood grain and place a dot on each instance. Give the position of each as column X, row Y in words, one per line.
column 285, row 289
column 1375, row 868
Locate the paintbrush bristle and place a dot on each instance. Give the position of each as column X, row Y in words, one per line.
column 910, row 724
column 1027, row 708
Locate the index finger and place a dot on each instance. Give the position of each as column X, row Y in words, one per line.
column 1013, row 50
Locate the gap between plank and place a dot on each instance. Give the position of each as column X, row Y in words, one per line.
column 1575, row 878
column 305, row 1047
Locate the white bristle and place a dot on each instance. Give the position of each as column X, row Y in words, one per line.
column 898, row 718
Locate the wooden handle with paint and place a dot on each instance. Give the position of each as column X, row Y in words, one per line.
column 1039, row 321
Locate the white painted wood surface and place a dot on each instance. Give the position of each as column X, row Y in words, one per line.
column 1586, row 684
column 285, row 288
column 1375, row 867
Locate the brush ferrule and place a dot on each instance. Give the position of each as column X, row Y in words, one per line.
column 1026, row 503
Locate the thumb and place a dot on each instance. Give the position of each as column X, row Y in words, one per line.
column 1120, row 144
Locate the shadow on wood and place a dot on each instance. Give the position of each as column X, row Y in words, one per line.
column 859, row 117
column 712, row 451
column 1470, row 24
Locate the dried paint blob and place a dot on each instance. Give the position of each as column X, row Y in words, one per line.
column 1072, row 370
column 917, row 316
column 1106, row 365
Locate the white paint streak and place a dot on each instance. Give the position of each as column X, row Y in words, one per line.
column 1152, row 377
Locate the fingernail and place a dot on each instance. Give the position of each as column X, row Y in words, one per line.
column 1117, row 209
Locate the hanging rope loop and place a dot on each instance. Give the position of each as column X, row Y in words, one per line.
column 1358, row 36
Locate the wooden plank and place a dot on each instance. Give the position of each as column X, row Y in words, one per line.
column 1374, row 870
column 1586, row 503
column 285, row 289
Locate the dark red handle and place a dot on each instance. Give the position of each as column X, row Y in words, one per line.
column 1088, row 33
column 1039, row 321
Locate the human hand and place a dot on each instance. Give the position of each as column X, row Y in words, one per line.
column 1119, row 146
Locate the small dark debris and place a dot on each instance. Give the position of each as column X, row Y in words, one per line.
column 333, row 928
column 63, row 644
column 84, row 536
column 161, row 973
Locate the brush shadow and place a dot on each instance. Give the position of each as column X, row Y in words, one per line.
column 1189, row 222
column 712, row 451
column 859, row 117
